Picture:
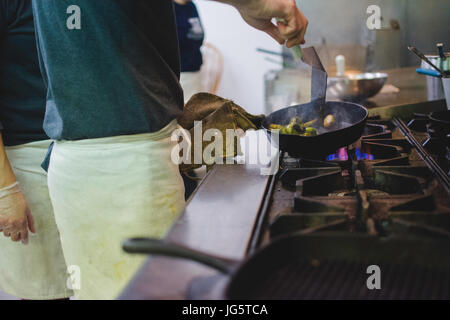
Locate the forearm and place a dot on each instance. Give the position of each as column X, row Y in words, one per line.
column 232, row 2
column 7, row 176
column 276, row 5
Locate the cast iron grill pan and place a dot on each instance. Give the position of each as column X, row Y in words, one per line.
column 327, row 266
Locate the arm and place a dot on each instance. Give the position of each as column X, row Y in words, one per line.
column 15, row 215
column 259, row 14
column 7, row 177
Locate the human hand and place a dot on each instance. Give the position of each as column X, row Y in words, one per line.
column 291, row 26
column 15, row 215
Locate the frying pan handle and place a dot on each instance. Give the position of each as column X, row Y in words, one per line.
column 162, row 248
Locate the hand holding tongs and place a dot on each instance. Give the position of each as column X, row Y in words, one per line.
column 296, row 50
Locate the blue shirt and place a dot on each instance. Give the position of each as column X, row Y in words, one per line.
column 111, row 66
column 190, row 36
column 22, row 90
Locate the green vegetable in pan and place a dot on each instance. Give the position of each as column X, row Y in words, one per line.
column 310, row 131
column 296, row 127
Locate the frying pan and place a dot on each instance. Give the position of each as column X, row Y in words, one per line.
column 326, row 266
column 350, row 118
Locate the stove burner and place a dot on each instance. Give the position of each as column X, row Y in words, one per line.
column 326, row 184
column 419, row 122
column 342, row 155
column 376, row 143
column 376, row 131
column 361, row 155
column 379, row 185
column 396, row 183
column 436, row 125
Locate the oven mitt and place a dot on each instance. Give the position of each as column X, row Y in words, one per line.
column 215, row 113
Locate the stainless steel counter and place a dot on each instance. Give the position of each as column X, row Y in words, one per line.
column 219, row 219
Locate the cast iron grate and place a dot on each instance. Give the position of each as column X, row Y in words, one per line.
column 331, row 280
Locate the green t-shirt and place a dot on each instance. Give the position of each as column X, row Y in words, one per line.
column 22, row 91
column 111, row 66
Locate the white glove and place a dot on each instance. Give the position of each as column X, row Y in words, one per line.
column 15, row 214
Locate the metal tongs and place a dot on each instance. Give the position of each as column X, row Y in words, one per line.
column 424, row 58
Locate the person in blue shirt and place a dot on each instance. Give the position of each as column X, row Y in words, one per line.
column 190, row 35
column 112, row 70
column 190, row 39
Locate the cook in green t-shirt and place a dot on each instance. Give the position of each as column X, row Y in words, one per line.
column 112, row 71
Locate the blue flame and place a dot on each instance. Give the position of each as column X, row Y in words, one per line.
column 342, row 155
column 363, row 156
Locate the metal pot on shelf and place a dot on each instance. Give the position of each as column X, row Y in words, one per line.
column 435, row 87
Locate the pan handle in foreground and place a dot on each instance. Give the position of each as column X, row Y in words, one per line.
column 162, row 248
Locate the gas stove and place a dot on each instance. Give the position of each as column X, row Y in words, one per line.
column 381, row 185
column 385, row 185
column 388, row 186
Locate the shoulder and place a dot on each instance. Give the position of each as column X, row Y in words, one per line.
column 192, row 7
column 12, row 10
column 188, row 7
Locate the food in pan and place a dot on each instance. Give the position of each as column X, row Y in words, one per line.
column 329, row 121
column 297, row 127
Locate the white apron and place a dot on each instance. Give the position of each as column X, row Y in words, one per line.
column 191, row 82
column 105, row 191
column 36, row 271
